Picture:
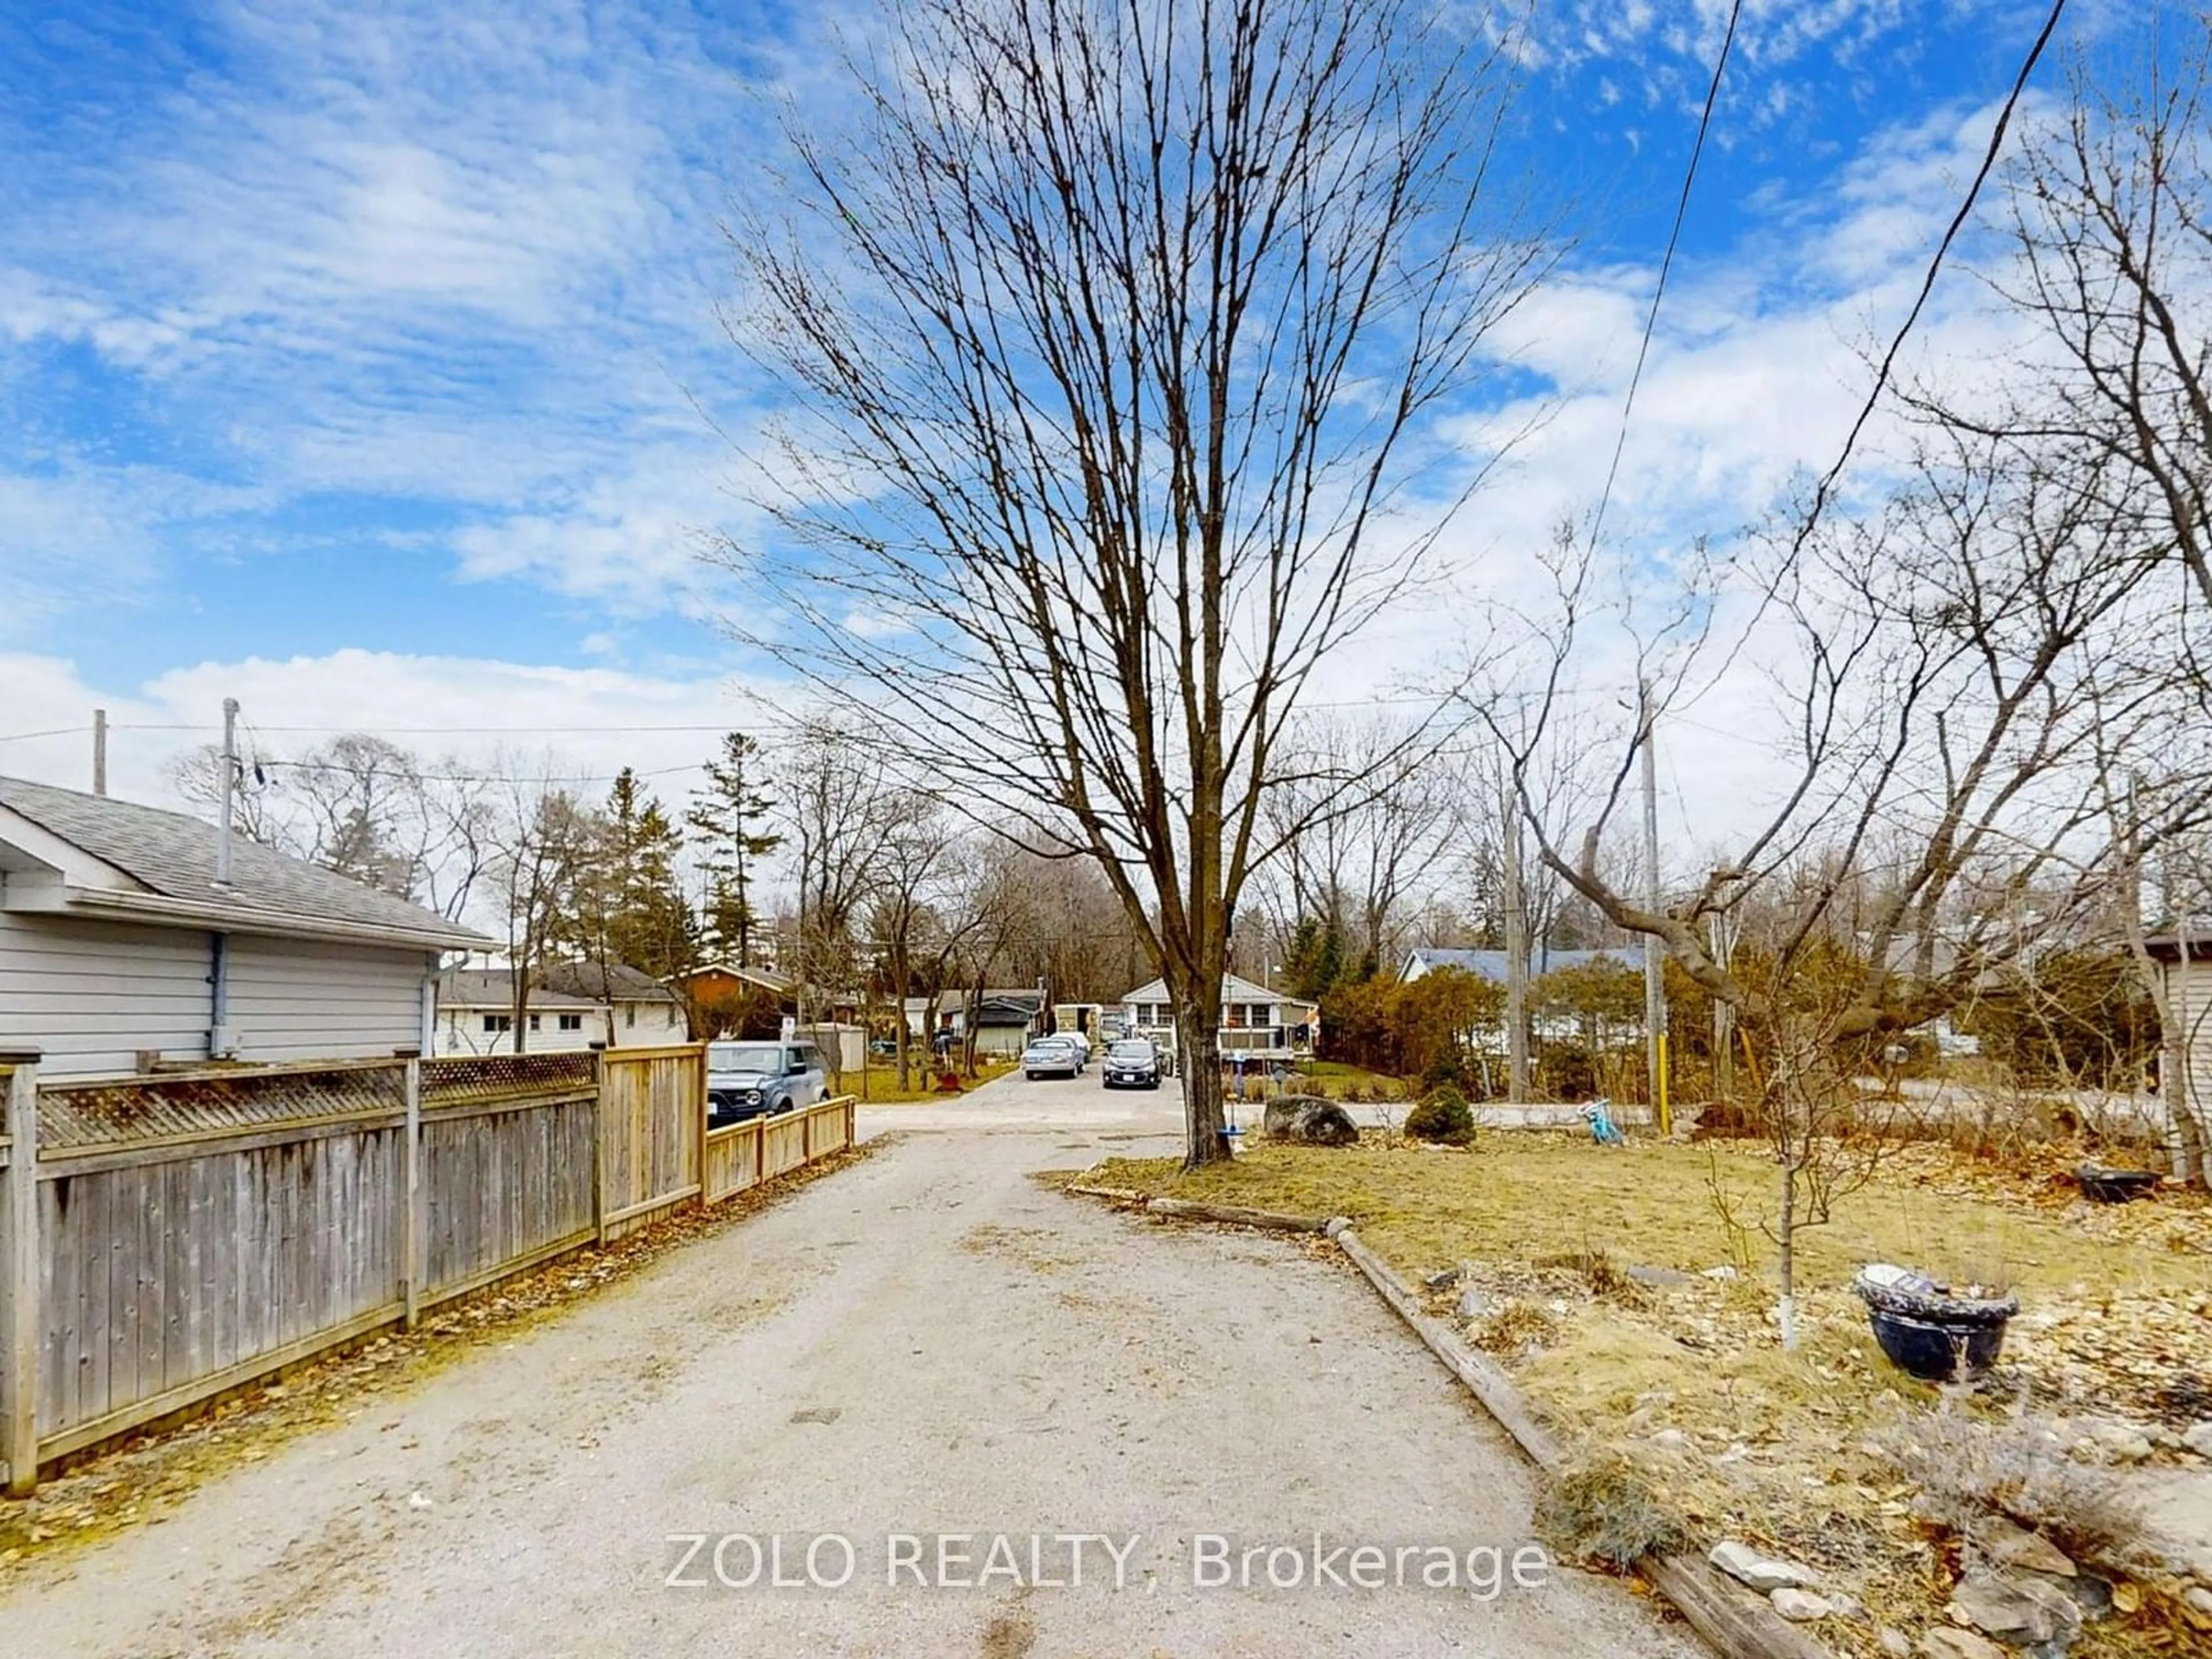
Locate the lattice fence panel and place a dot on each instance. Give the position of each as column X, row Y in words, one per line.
column 121, row 1110
column 501, row 1079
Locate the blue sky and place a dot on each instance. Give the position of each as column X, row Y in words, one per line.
column 352, row 358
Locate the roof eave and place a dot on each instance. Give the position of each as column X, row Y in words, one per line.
column 108, row 905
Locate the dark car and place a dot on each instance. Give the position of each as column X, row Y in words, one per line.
column 1132, row 1063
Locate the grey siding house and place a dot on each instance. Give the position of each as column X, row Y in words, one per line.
column 120, row 951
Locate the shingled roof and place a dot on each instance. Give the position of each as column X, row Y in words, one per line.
column 172, row 856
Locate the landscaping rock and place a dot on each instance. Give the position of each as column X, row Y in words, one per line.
column 1445, row 1280
column 2026, row 1611
column 2198, row 1438
column 1749, row 1567
column 2004, row 1545
column 1800, row 1607
column 1310, row 1120
column 1660, row 1276
column 2122, row 1442
column 2197, row 1603
column 1893, row 1642
column 1474, row 1303
column 1944, row 1643
column 1723, row 1274
column 2091, row 1594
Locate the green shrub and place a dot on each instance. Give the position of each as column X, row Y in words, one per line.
column 1442, row 1116
column 1447, row 1070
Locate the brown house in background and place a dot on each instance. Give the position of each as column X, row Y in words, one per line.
column 727, row 1000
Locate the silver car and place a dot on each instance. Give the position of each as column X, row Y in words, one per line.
column 759, row 1079
column 1052, row 1056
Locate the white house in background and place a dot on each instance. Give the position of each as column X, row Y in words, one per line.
column 1256, row 1022
column 1490, row 964
column 572, row 1005
column 2189, row 996
column 120, row 951
column 1005, row 1019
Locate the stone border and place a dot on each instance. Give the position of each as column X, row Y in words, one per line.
column 1734, row 1623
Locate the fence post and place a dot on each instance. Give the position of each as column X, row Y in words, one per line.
column 599, row 1145
column 410, row 1245
column 696, row 1072
column 19, row 1346
column 849, row 1122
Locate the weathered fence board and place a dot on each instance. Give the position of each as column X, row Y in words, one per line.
column 652, row 1116
column 502, row 1187
column 169, row 1237
column 158, row 1273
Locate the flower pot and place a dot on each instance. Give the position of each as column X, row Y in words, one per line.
column 1935, row 1352
column 1926, row 1334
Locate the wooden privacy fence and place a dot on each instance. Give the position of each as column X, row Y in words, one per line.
column 166, row 1239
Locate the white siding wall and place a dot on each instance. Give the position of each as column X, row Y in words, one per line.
column 93, row 993
column 298, row 1000
column 648, row 1025
column 2193, row 1005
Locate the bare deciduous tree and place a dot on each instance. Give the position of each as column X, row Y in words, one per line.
column 1116, row 334
column 545, row 842
column 1956, row 665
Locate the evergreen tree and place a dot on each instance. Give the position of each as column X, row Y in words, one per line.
column 649, row 926
column 731, row 817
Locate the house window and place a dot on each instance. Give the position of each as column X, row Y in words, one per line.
column 572, row 1021
column 630, row 1015
column 496, row 1023
column 533, row 1021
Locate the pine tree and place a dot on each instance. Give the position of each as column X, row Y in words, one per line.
column 650, row 927
column 731, row 817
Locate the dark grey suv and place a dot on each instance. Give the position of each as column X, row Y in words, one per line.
column 757, row 1079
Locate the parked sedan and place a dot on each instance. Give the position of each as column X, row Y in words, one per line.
column 1134, row 1064
column 1051, row 1056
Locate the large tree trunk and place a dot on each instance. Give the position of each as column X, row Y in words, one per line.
column 1198, row 1042
column 898, row 1004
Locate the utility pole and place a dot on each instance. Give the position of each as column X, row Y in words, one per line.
column 229, row 789
column 1654, row 970
column 1723, row 929
column 1516, row 950
column 100, row 751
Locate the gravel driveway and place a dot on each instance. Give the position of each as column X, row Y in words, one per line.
column 908, row 1361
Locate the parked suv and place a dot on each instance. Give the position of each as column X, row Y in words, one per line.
column 757, row 1079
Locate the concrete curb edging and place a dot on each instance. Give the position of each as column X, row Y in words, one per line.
column 1734, row 1623
column 1231, row 1215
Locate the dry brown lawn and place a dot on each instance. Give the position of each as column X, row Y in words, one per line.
column 1770, row 1446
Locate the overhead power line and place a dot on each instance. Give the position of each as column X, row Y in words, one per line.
column 1935, row 265
column 58, row 732
column 423, row 731
column 1665, row 265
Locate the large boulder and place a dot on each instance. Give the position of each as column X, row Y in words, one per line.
column 1310, row 1120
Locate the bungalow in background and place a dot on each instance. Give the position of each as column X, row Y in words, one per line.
column 730, row 1002
column 1490, row 964
column 1256, row 1024
column 1004, row 1020
column 572, row 1005
column 122, row 951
